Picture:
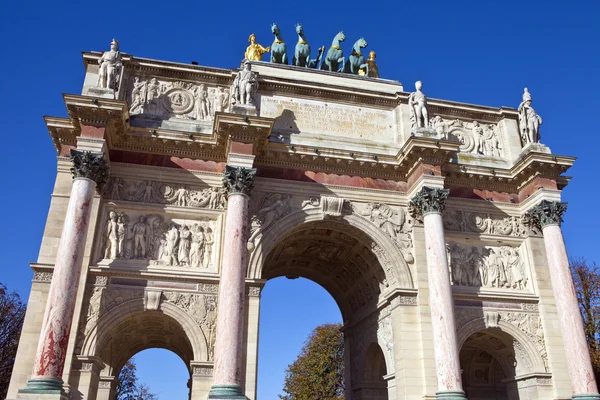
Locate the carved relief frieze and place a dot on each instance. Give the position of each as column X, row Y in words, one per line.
column 203, row 309
column 176, row 99
column 270, row 208
column 392, row 221
column 474, row 138
column 202, row 370
column 163, row 193
column 158, row 240
column 488, row 224
column 499, row 267
column 531, row 325
column 42, row 276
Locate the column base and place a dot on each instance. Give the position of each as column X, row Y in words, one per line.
column 43, row 389
column 451, row 395
column 230, row 392
column 589, row 396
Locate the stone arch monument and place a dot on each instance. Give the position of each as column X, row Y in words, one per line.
column 181, row 190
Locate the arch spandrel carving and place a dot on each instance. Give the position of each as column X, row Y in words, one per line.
column 397, row 271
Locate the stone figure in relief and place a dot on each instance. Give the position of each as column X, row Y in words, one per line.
column 255, row 51
column 245, row 85
column 274, row 206
column 148, row 192
column 370, row 68
column 121, row 233
column 172, row 240
column 210, row 240
column 491, row 143
column 185, row 236
column 529, row 120
column 478, row 139
column 141, row 231
column 153, row 91
column 202, row 106
column 180, row 195
column 138, row 96
column 117, row 189
column 110, row 67
column 418, row 107
column 221, row 98
column 197, row 248
column 112, row 239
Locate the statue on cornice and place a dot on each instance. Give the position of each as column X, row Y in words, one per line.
column 255, row 51
column 418, row 107
column 302, row 51
column 245, row 85
column 529, row 120
column 110, row 67
column 369, row 68
column 278, row 48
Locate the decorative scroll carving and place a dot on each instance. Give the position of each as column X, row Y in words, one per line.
column 473, row 137
column 176, row 99
column 272, row 207
column 203, row 309
column 91, row 166
column 163, row 193
column 386, row 337
column 159, row 241
column 404, row 301
column 42, row 276
column 208, row 287
column 546, row 213
column 254, row 291
column 332, row 206
column 390, row 220
column 428, row 200
column 487, row 266
column 100, row 280
column 152, row 299
column 239, row 180
column 464, row 221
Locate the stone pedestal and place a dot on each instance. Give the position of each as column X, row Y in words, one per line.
column 548, row 216
column 243, row 109
column 229, row 350
column 89, row 170
column 429, row 203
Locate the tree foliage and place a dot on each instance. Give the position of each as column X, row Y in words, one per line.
column 129, row 387
column 12, row 314
column 318, row 372
column 586, row 278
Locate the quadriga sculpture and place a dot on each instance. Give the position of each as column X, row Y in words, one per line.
column 334, row 60
column 356, row 58
column 278, row 48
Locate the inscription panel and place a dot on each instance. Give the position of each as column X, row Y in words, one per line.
column 325, row 118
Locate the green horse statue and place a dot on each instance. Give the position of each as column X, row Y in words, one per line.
column 356, row 59
column 302, row 51
column 334, row 60
column 278, row 48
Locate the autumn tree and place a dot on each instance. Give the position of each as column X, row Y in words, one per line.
column 586, row 278
column 12, row 314
column 318, row 372
column 129, row 387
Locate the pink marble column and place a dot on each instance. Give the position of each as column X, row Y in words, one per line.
column 430, row 202
column 229, row 350
column 89, row 169
column 548, row 215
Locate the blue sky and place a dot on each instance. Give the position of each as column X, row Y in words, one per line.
column 482, row 52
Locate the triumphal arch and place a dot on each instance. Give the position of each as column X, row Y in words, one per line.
column 182, row 189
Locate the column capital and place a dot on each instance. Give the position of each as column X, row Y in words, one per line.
column 428, row 200
column 90, row 165
column 239, row 180
column 546, row 213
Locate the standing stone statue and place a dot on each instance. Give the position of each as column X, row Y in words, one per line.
column 185, row 235
column 255, row 51
column 172, row 240
column 110, row 67
column 529, row 120
column 141, row 232
column 112, row 245
column 245, row 85
column 418, row 107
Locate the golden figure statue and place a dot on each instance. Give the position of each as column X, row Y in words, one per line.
column 255, row 51
column 369, row 68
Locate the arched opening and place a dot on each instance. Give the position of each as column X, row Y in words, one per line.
column 162, row 372
column 290, row 310
column 375, row 372
column 349, row 264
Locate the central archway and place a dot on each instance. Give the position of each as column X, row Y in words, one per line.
column 359, row 266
